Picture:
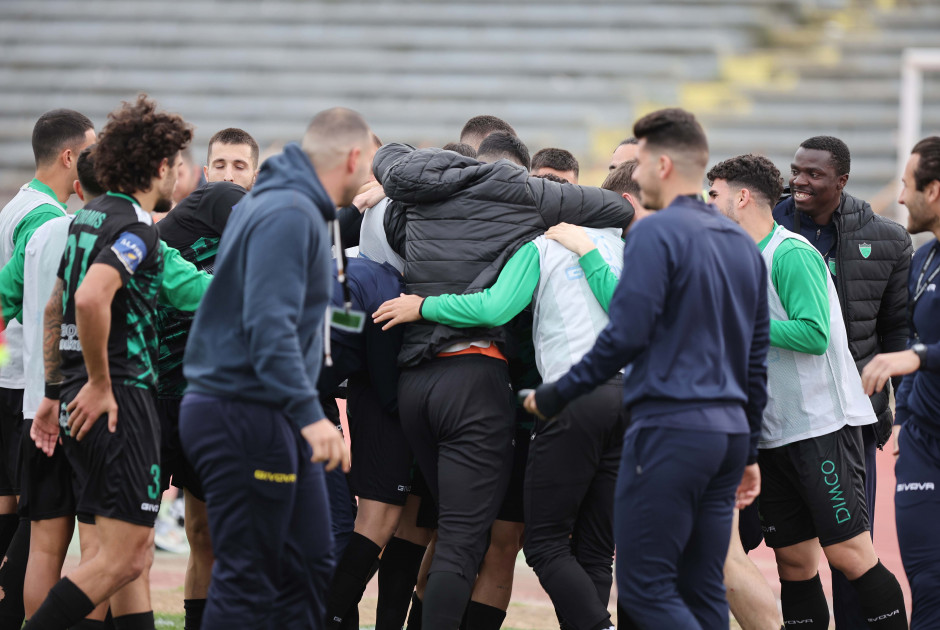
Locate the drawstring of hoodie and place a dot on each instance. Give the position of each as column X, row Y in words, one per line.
column 347, row 300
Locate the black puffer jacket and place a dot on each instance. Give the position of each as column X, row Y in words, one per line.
column 457, row 221
column 872, row 288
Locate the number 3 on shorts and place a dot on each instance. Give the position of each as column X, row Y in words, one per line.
column 153, row 490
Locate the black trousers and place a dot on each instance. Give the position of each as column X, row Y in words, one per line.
column 569, row 492
column 457, row 413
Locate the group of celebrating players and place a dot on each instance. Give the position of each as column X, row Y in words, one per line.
column 527, row 364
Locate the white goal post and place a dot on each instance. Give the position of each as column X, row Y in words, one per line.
column 914, row 63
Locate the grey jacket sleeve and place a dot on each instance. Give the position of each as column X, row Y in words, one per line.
column 580, row 205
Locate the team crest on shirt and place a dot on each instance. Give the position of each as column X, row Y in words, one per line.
column 865, row 249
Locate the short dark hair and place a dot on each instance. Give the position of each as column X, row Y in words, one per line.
column 555, row 159
column 754, row 172
column 928, row 167
column 620, row 180
column 482, row 126
column 55, row 130
column 86, row 173
column 552, row 178
column 840, row 158
column 502, row 144
column 135, row 141
column 630, row 140
column 673, row 129
column 234, row 135
column 463, row 149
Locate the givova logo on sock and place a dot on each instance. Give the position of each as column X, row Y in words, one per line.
column 896, row 611
column 794, row 622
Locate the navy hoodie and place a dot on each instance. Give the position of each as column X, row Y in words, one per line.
column 689, row 316
column 258, row 334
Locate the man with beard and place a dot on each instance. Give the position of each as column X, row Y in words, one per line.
column 917, row 433
column 251, row 422
column 101, row 354
column 810, row 456
column 59, row 136
column 693, row 327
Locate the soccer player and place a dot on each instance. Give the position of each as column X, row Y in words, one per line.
column 557, row 162
column 916, row 430
column 454, row 395
column 478, row 128
column 59, row 136
column 695, row 406
column 194, row 228
column 382, row 475
column 569, row 521
column 101, row 395
column 48, row 499
column 811, row 456
column 251, row 422
column 625, row 151
column 868, row 257
column 233, row 157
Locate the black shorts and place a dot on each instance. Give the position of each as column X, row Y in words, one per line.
column 118, row 473
column 11, row 430
column 814, row 488
column 512, row 509
column 48, row 483
column 174, row 467
column 382, row 471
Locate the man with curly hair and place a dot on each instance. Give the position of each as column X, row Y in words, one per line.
column 101, row 353
column 810, row 449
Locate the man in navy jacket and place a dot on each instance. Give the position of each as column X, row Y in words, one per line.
column 251, row 420
column 689, row 320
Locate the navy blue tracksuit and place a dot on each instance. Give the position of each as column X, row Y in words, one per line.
column 917, row 498
column 692, row 321
column 252, row 362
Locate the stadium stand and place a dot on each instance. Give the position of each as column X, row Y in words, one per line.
column 764, row 74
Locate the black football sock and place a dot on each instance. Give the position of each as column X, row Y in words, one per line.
column 804, row 603
column 483, row 617
column 881, row 598
column 416, row 613
column 193, row 609
column 13, row 572
column 65, row 606
column 350, row 578
column 398, row 574
column 445, row 600
column 136, row 621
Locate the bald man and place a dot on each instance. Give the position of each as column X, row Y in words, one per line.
column 251, row 421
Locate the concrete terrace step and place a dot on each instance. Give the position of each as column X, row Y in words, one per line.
column 520, row 13
column 108, row 57
column 297, row 36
